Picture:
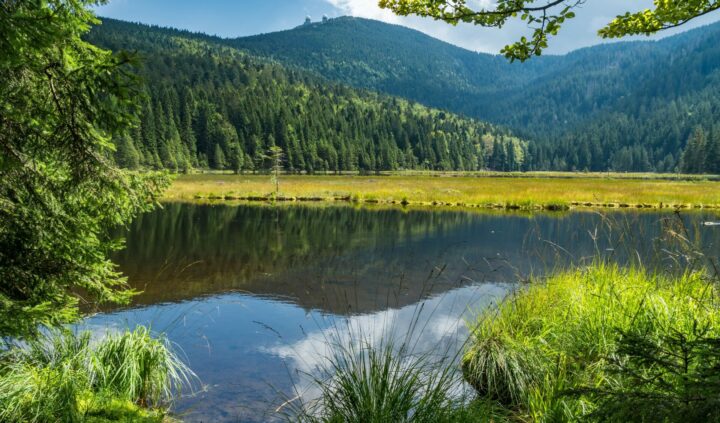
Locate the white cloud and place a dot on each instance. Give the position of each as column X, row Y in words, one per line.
column 365, row 9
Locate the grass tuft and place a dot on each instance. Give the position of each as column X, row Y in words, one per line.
column 66, row 377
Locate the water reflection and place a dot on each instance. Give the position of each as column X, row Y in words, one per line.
column 251, row 293
column 345, row 260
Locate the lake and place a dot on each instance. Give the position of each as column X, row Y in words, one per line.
column 251, row 294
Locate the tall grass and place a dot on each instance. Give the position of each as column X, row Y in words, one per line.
column 136, row 366
column 46, row 381
column 380, row 383
column 67, row 377
column 550, row 352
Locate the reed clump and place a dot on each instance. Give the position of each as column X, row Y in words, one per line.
column 61, row 376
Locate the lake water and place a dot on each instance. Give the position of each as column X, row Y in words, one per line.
column 251, row 294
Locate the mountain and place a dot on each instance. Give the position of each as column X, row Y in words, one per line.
column 391, row 59
column 204, row 104
column 622, row 106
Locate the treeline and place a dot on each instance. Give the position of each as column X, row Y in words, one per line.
column 210, row 106
column 656, row 140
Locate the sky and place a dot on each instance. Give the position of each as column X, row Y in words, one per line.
column 236, row 18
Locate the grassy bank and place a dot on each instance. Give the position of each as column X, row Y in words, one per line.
column 601, row 344
column 530, row 192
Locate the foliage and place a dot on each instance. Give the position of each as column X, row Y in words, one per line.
column 67, row 377
column 62, row 101
column 599, row 340
column 702, row 153
column 546, row 18
column 664, row 374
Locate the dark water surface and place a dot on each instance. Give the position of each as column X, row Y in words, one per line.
column 250, row 294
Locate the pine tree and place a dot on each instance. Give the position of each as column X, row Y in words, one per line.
column 693, row 157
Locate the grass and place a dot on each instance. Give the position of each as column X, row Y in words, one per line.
column 540, row 191
column 364, row 379
column 66, row 377
column 375, row 384
column 557, row 350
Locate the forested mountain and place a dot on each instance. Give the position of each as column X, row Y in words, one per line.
column 623, row 106
column 391, row 59
column 208, row 105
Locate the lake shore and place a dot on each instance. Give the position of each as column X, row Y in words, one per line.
column 533, row 191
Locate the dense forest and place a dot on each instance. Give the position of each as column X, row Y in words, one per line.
column 625, row 106
column 205, row 105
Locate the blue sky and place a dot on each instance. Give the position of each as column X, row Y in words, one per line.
column 233, row 18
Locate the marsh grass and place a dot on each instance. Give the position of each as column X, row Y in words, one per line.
column 382, row 383
column 71, row 378
column 484, row 191
column 379, row 370
column 135, row 366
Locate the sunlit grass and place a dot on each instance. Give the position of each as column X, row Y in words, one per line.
column 544, row 348
column 552, row 191
column 66, row 377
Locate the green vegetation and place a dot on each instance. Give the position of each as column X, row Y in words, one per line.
column 600, row 108
column 554, row 191
column 67, row 377
column 602, row 343
column 63, row 100
column 381, row 383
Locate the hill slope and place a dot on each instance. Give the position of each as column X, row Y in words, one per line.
column 208, row 105
column 627, row 106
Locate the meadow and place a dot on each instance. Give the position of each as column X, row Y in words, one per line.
column 488, row 190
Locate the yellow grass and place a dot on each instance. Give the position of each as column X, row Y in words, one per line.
column 552, row 190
